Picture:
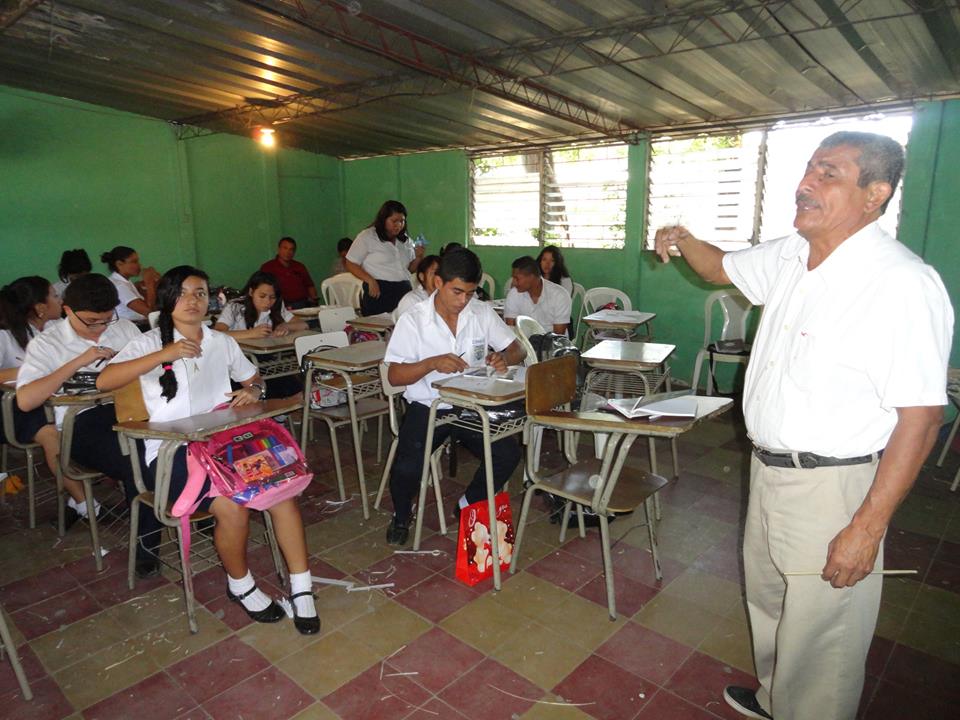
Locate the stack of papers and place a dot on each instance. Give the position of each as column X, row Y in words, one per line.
column 678, row 404
column 619, row 316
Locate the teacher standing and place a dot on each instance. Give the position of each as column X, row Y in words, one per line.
column 383, row 257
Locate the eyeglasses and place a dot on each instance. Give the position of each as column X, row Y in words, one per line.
column 98, row 323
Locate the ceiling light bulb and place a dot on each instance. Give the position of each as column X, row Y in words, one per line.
column 267, row 137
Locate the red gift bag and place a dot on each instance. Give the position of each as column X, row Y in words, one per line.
column 474, row 560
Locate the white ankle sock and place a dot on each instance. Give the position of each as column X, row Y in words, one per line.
column 257, row 600
column 81, row 507
column 302, row 582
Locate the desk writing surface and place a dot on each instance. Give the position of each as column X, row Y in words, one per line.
column 619, row 317
column 90, row 398
column 352, row 357
column 272, row 344
column 490, row 389
column 622, row 352
column 200, row 427
column 381, row 321
column 612, row 421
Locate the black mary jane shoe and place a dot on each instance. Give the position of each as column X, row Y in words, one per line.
column 270, row 614
column 304, row 625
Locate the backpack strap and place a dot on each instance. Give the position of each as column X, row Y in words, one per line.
column 190, row 499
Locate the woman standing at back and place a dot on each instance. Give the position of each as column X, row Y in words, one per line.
column 383, row 257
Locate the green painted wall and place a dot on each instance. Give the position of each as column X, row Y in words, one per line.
column 79, row 175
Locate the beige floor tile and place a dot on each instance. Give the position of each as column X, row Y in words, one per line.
column 543, row 531
column 900, row 592
column 729, row 642
column 553, row 708
column 541, row 653
column 276, row 641
column 484, row 624
column 337, row 607
column 142, row 613
column 678, row 619
column 532, row 551
column 916, row 520
column 317, row 711
column 359, row 553
column 74, row 642
column 529, row 595
column 890, row 620
column 937, row 603
column 344, row 526
column 722, row 464
column 952, row 531
column 328, row 663
column 389, row 627
column 101, row 675
column 709, row 591
column 584, row 622
column 172, row 641
column 932, row 635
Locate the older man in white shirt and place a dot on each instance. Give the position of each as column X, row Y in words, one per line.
column 544, row 301
column 842, row 401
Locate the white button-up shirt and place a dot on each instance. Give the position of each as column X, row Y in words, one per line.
column 552, row 307
column 383, row 260
column 202, row 382
column 421, row 333
column 128, row 293
column 840, row 347
column 233, row 317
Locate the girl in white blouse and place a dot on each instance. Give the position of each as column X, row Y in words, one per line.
column 426, row 271
column 136, row 302
column 553, row 267
column 185, row 369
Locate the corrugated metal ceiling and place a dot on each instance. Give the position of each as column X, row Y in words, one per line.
column 390, row 76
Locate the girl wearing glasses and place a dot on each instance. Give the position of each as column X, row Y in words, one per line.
column 136, row 300
column 185, row 369
column 81, row 342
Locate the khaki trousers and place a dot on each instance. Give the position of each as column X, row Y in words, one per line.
column 810, row 640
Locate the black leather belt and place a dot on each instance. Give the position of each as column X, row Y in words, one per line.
column 809, row 460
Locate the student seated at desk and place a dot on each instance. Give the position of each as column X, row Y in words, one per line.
column 426, row 271
column 544, row 301
column 185, row 369
column 26, row 306
column 432, row 341
column 86, row 338
column 554, row 268
column 73, row 264
column 136, row 300
column 340, row 264
column 259, row 312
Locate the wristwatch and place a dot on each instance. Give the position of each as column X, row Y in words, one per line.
column 261, row 388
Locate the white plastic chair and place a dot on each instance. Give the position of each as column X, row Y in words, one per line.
column 731, row 346
column 332, row 319
column 487, row 282
column 596, row 298
column 342, row 289
column 153, row 318
column 305, row 343
column 578, row 293
column 524, row 328
column 393, row 394
column 507, row 285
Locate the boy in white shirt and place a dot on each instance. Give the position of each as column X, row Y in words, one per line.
column 544, row 301
column 431, row 341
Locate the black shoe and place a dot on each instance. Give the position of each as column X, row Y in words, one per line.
column 70, row 517
column 744, row 701
column 270, row 614
column 398, row 532
column 304, row 625
column 147, row 567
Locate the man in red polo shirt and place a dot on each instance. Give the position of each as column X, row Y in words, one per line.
column 296, row 285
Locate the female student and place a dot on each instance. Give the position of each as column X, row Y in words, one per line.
column 426, row 271
column 383, row 257
column 259, row 312
column 553, row 268
column 73, row 264
column 124, row 264
column 185, row 369
column 26, row 306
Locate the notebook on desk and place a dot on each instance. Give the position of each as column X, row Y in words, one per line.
column 674, row 404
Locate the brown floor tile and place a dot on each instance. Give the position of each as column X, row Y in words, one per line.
column 530, row 595
column 276, row 641
column 667, row 706
column 708, row 591
column 552, row 707
column 436, row 597
column 48, row 702
column 492, row 691
column 637, row 564
column 421, row 655
column 932, row 636
column 404, row 571
column 613, row 692
column 630, row 595
column 433, row 709
column 217, row 668
column 644, row 652
column 565, row 570
column 37, row 588
column 317, row 711
column 376, row 694
column 892, row 702
column 701, row 680
column 156, row 697
column 269, row 693
column 48, row 615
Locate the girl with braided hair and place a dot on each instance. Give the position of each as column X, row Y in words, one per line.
column 185, row 369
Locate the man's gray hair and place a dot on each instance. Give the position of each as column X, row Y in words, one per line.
column 881, row 158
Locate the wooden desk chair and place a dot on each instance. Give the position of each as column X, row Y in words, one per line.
column 29, row 450
column 130, row 407
column 606, row 486
column 6, row 645
column 393, row 393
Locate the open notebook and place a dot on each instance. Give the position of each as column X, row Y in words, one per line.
column 675, row 404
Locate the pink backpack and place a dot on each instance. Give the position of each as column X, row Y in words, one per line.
column 258, row 465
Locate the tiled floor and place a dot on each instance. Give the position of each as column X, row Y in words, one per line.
column 431, row 647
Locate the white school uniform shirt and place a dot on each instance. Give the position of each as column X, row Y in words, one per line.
column 202, row 382
column 60, row 286
column 232, row 316
column 421, row 333
column 840, row 347
column 127, row 292
column 59, row 343
column 383, row 260
column 417, row 295
column 11, row 354
column 552, row 308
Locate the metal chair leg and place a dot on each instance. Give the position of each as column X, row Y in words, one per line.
column 187, row 575
column 521, row 524
column 336, row 461
column 7, row 643
column 652, row 534
column 278, row 562
column 608, row 567
column 391, row 453
column 92, row 522
column 132, row 549
column 31, row 490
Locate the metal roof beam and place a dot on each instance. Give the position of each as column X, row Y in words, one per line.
column 13, row 10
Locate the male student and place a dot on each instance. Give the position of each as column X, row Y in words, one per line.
column 296, row 285
column 544, row 301
column 441, row 336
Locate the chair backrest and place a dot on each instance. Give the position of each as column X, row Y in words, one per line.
column 735, row 309
column 153, row 317
column 305, row 343
column 334, row 318
column 579, row 292
column 489, row 284
column 551, row 383
column 342, row 289
column 599, row 296
column 507, row 285
column 128, row 403
column 524, row 328
column 392, row 393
